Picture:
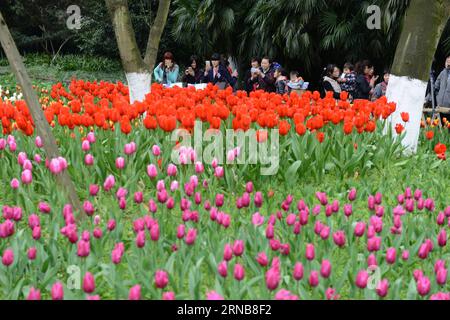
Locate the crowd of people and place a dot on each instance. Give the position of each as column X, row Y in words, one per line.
column 358, row 80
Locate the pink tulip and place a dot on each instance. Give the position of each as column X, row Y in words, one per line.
column 273, row 278
column 339, row 238
column 85, row 145
column 258, row 199
column 89, row 159
column 330, row 294
column 44, row 207
column 285, row 295
column 191, row 236
column 442, row 238
column 26, row 176
column 156, row 150
column 249, row 187
column 372, row 260
column 88, row 283
column 120, row 163
column 382, row 288
column 219, row 172
column 171, row 170
column 57, row 291
column 219, row 200
column 31, row 253
column 14, row 183
column 92, row 298
column 371, row 202
column 168, row 295
column 38, row 142
column 8, row 257
column 441, row 276
column 348, row 210
column 325, row 232
column 97, row 233
column 12, row 146
column 361, row 279
column 262, row 259
column 140, row 239
column 325, row 269
column 423, row 286
column 36, row 233
column 111, row 225
column 360, row 227
column 352, row 195
column 161, row 279
column 109, row 183
column 135, row 293
column 91, row 137
column 313, row 278
column 27, row 165
column 322, row 197
column 391, row 255
column 212, row 295
column 222, row 268
column 55, row 166
column 34, row 294
column 423, row 251
column 152, row 171
column 238, row 248
column 88, row 208
column 239, row 272
column 440, row 296
column 373, row 244
column 298, row 271
column 93, row 189
column 405, row 255
column 257, row 219
column 310, row 252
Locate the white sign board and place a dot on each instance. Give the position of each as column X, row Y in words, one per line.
column 409, row 95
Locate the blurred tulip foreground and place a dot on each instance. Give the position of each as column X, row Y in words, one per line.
column 346, row 216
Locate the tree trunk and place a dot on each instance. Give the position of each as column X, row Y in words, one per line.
column 155, row 33
column 137, row 72
column 422, row 28
column 35, row 108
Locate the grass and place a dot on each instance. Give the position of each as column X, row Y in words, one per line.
column 46, row 71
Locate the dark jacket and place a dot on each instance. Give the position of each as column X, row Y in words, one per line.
column 442, row 86
column 223, row 75
column 362, row 88
column 196, row 78
column 249, row 85
column 266, row 83
column 328, row 87
column 281, row 86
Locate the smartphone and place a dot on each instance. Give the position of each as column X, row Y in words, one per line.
column 253, row 70
column 208, row 64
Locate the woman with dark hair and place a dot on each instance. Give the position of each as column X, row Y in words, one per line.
column 217, row 74
column 193, row 74
column 167, row 71
column 331, row 74
column 364, row 70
